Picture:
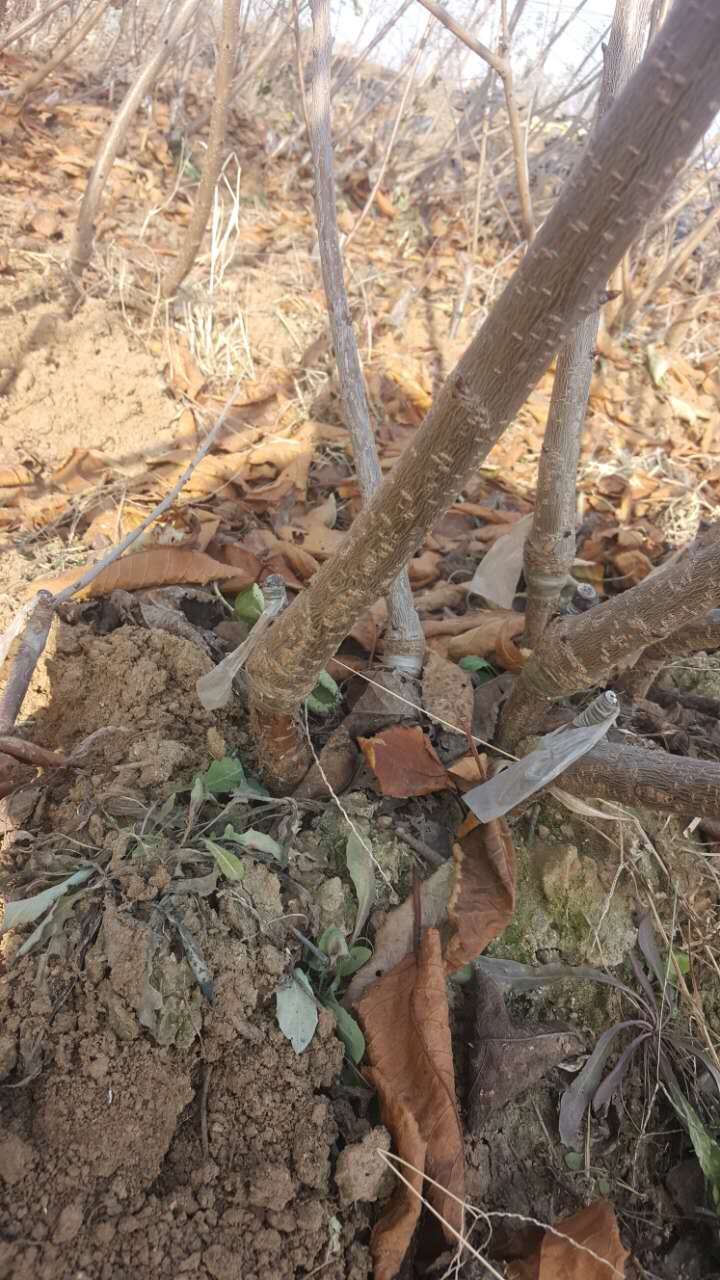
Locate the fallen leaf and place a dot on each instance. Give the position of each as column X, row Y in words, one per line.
column 339, row 759
column 405, row 1019
column 42, row 511
column 159, row 567
column 391, row 1236
column 318, row 541
column 46, row 223
column 633, row 565
column 82, row 469
column 447, row 691
column 385, row 206
column 424, row 569
column 569, row 1255
column 410, row 387
column 507, row 654
column 246, row 564
column 482, row 900
column 10, row 477
column 496, row 576
column 182, row 372
column 404, row 762
column 507, row 1059
column 482, row 639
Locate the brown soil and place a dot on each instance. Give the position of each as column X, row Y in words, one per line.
column 152, row 1135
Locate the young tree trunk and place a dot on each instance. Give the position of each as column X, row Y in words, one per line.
column 404, row 641
column 631, row 161
column 202, row 206
column 550, row 548
column 580, row 652
column 30, row 24
column 67, row 46
column 82, row 242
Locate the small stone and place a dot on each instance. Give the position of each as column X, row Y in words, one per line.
column 331, row 901
column 272, row 1188
column 69, row 1223
column 16, row 1158
column 361, row 1170
column 8, row 1056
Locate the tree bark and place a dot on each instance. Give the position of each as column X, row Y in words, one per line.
column 580, row 652
column 647, row 779
column 550, row 548
column 214, row 156
column 630, row 163
column 84, row 235
column 702, row 635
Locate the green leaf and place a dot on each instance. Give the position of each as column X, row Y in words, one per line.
column 682, row 960
column 252, row 839
column 347, row 1029
column 355, row 959
column 332, row 942
column 362, row 872
column 25, row 910
column 472, row 663
column 249, row 604
column 574, row 1160
column 705, row 1147
column 324, row 697
column 229, row 865
column 223, row 776
column 296, row 1011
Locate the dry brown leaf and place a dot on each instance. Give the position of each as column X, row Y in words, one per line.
column 447, row 691
column 391, row 1236
column 467, row 622
column 507, row 654
column 38, row 513
column 410, row 387
column 423, row 569
column 83, row 469
column 319, row 541
column 245, row 564
column 10, row 477
column 182, row 372
column 482, row 900
column 385, row 206
column 338, row 762
column 394, row 937
column 46, row 223
column 633, row 565
column 595, row 1228
column 404, row 762
column 323, row 516
column 212, row 476
column 159, row 567
column 481, row 640
column 444, row 596
column 405, row 1018
column 279, row 566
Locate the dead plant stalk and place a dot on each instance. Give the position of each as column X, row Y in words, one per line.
column 550, row 547
column 70, row 40
column 629, row 165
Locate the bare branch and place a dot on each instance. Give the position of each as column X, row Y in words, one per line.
column 214, row 156
column 651, row 779
column 73, row 39
column 83, row 238
column 30, row 24
column 700, row 636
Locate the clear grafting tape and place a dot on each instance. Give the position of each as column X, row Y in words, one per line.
column 215, row 688
column 555, row 752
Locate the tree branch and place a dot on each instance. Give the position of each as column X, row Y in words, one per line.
column 630, row 163
column 651, row 779
column 700, row 636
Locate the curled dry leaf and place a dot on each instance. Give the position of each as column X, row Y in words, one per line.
column 404, row 762
column 339, row 760
column 589, row 1248
column 423, row 569
column 633, row 565
column 407, row 1031
column 159, row 567
column 507, row 654
column 11, row 477
column 82, row 469
column 392, row 1234
column 246, row 564
column 482, row 900
column 481, row 640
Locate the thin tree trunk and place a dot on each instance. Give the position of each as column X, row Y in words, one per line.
column 501, row 65
column 632, row 160
column 214, row 156
column 84, row 235
column 405, row 642
column 62, row 52
column 578, row 653
column 550, row 547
